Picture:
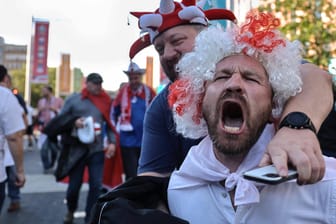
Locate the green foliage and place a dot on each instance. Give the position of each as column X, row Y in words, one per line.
column 18, row 81
column 304, row 22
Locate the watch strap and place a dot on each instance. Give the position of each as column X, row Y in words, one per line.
column 307, row 124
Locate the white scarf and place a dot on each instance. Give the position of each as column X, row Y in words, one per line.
column 201, row 168
column 127, row 96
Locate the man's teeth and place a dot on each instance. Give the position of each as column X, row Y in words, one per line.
column 232, row 129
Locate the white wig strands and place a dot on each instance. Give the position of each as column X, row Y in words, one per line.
column 280, row 58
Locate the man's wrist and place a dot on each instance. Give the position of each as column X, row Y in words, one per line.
column 19, row 169
column 297, row 120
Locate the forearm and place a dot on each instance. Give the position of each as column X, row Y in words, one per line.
column 111, row 136
column 15, row 143
column 316, row 98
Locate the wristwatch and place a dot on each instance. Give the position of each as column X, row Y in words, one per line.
column 297, row 120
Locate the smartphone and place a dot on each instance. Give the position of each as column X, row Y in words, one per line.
column 269, row 175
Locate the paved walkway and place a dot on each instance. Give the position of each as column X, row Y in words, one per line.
column 42, row 198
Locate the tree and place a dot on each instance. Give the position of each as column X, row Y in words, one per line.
column 312, row 22
column 18, row 81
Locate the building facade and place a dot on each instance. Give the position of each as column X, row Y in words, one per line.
column 12, row 56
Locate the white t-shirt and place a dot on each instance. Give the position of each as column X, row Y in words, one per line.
column 11, row 121
column 8, row 158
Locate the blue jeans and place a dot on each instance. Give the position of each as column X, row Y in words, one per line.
column 12, row 189
column 49, row 153
column 95, row 164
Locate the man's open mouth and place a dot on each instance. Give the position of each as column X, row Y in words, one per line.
column 232, row 117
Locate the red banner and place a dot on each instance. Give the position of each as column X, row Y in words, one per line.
column 40, row 52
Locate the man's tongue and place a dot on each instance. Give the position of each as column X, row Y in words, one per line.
column 232, row 118
column 232, row 125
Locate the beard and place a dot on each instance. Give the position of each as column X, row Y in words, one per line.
column 235, row 144
column 169, row 68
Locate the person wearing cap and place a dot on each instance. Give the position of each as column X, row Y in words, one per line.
column 244, row 80
column 93, row 102
column 128, row 111
column 172, row 29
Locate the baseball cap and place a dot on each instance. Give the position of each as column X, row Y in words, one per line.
column 94, row 78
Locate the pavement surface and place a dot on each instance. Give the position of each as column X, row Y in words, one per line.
column 42, row 198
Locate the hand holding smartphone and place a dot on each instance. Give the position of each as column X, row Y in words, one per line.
column 269, row 175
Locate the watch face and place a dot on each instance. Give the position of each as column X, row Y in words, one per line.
column 297, row 119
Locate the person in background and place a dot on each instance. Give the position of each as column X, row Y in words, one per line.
column 172, row 30
column 48, row 107
column 30, row 127
column 93, row 102
column 6, row 81
column 11, row 129
column 327, row 132
column 246, row 77
column 12, row 189
column 127, row 112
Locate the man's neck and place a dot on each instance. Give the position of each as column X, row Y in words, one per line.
column 232, row 162
column 48, row 97
column 135, row 88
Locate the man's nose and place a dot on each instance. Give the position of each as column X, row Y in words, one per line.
column 170, row 52
column 235, row 83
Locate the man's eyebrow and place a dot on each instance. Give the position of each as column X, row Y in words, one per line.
column 178, row 35
column 249, row 72
column 224, row 70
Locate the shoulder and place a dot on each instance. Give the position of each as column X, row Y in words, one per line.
column 59, row 99
column 160, row 102
column 4, row 92
column 7, row 97
column 72, row 99
column 10, row 109
column 74, row 96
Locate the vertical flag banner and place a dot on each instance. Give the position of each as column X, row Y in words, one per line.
column 40, row 52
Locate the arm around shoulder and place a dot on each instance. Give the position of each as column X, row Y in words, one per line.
column 300, row 147
column 316, row 98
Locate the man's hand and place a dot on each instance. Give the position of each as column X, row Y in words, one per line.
column 79, row 123
column 299, row 148
column 20, row 179
column 110, row 151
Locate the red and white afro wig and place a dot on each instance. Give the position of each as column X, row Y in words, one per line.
column 258, row 38
column 171, row 14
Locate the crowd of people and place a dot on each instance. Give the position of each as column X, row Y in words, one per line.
column 238, row 98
